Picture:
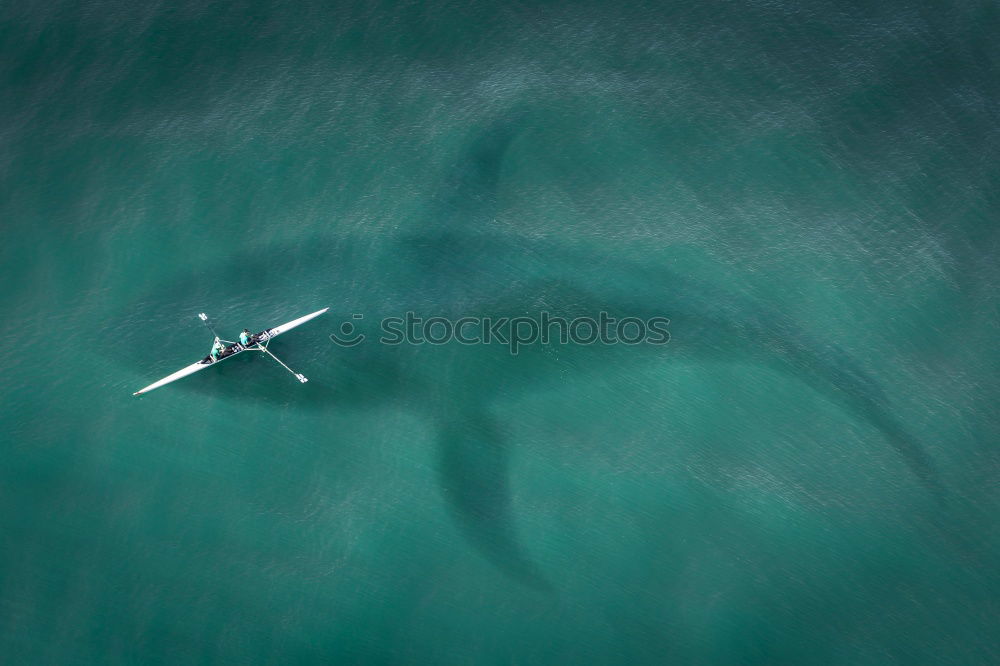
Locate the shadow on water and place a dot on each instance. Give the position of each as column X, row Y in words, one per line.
column 460, row 269
column 474, row 480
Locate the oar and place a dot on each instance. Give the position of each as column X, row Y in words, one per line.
column 204, row 318
column 298, row 375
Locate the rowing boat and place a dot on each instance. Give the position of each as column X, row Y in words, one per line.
column 257, row 342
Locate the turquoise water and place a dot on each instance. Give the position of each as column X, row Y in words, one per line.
column 806, row 473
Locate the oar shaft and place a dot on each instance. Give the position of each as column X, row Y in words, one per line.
column 204, row 318
column 267, row 351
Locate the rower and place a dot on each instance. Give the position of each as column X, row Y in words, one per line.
column 217, row 349
column 245, row 337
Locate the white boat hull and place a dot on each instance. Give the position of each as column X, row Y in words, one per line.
column 207, row 362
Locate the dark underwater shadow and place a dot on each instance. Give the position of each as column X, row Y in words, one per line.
column 473, row 467
column 460, row 268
